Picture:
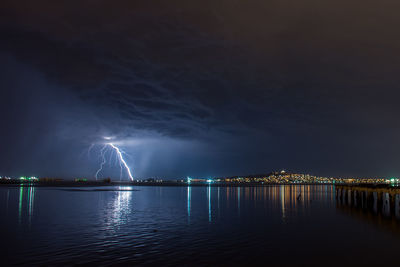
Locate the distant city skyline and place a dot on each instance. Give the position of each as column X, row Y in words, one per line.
column 273, row 177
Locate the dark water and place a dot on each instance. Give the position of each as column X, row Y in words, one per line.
column 189, row 226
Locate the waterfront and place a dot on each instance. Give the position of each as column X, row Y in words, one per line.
column 278, row 225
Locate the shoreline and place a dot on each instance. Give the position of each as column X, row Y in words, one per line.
column 183, row 184
column 176, row 184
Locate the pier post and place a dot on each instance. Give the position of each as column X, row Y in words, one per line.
column 385, row 204
column 366, row 199
column 355, row 198
column 349, row 197
column 375, row 201
column 397, row 206
column 344, row 196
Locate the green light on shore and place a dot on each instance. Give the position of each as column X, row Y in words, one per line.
column 24, row 178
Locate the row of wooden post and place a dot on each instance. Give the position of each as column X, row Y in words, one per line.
column 379, row 200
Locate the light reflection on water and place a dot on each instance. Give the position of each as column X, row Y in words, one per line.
column 209, row 203
column 120, row 207
column 285, row 196
column 27, row 200
column 189, row 199
column 181, row 225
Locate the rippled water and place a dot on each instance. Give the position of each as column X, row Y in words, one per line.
column 188, row 226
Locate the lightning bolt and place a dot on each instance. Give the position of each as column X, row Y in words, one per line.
column 121, row 160
column 103, row 156
column 119, row 157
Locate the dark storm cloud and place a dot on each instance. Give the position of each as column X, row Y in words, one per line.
column 251, row 86
column 37, row 119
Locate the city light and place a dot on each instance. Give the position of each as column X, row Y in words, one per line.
column 31, row 179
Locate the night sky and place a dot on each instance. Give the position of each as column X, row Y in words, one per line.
column 200, row 88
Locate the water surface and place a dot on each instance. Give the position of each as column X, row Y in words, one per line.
column 189, row 225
